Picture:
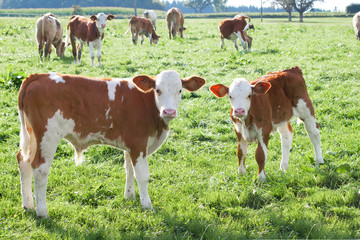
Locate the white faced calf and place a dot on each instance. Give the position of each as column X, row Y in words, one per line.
column 267, row 104
column 130, row 115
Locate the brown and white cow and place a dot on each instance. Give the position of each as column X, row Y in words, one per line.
column 49, row 31
column 266, row 104
column 175, row 22
column 89, row 31
column 356, row 25
column 132, row 115
column 233, row 29
column 142, row 26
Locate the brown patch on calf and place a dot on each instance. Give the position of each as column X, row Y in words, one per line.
column 175, row 22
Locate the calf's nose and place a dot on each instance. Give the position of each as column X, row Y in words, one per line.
column 239, row 112
column 103, row 25
column 169, row 112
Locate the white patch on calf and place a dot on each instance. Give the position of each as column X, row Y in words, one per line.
column 56, row 78
column 155, row 142
column 261, row 176
column 56, row 129
column 111, row 85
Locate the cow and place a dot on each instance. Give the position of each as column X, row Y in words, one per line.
column 175, row 22
column 142, row 26
column 150, row 14
column 356, row 25
column 233, row 29
column 266, row 104
column 49, row 31
column 89, row 31
column 131, row 115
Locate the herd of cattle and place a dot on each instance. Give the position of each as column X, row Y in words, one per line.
column 134, row 114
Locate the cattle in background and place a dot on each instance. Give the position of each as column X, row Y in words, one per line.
column 356, row 25
column 233, row 29
column 150, row 14
column 89, row 31
column 175, row 22
column 132, row 115
column 266, row 104
column 49, row 31
column 142, row 26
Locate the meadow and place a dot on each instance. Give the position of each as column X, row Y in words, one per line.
column 196, row 189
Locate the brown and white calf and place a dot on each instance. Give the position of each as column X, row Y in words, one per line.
column 266, row 104
column 132, row 115
column 233, row 29
column 89, row 31
column 49, row 31
column 151, row 15
column 175, row 22
column 142, row 26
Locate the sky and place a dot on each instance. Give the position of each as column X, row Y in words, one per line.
column 327, row 4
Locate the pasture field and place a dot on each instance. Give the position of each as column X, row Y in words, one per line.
column 195, row 187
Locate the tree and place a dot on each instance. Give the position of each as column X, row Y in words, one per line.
column 303, row 5
column 219, row 5
column 353, row 8
column 287, row 5
column 197, row 5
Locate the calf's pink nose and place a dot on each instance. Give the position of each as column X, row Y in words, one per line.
column 169, row 112
column 239, row 112
column 103, row 25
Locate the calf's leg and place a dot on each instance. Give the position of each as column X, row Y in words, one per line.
column 25, row 170
column 142, row 175
column 129, row 170
column 286, row 134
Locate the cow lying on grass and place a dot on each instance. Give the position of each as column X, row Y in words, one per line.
column 132, row 115
column 49, row 31
column 266, row 104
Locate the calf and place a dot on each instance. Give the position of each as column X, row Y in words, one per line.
column 142, row 26
column 356, row 25
column 233, row 29
column 49, row 31
column 89, row 31
column 150, row 14
column 175, row 22
column 132, row 115
column 266, row 104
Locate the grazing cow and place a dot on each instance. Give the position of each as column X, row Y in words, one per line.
column 142, row 26
column 49, row 31
column 175, row 22
column 356, row 25
column 89, row 31
column 150, row 14
column 233, row 29
column 132, row 115
column 266, row 104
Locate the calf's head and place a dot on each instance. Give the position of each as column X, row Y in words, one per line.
column 240, row 93
column 167, row 87
column 101, row 18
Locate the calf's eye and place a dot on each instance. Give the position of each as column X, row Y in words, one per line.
column 180, row 91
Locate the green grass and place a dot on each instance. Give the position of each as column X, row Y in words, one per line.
column 196, row 190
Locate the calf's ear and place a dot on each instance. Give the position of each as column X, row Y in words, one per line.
column 219, row 90
column 261, row 87
column 193, row 83
column 110, row 17
column 93, row 17
column 144, row 83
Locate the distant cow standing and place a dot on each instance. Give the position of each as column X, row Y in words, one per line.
column 175, row 22
column 89, row 31
column 266, row 104
column 150, row 14
column 356, row 25
column 142, row 26
column 233, row 29
column 49, row 31
column 131, row 115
